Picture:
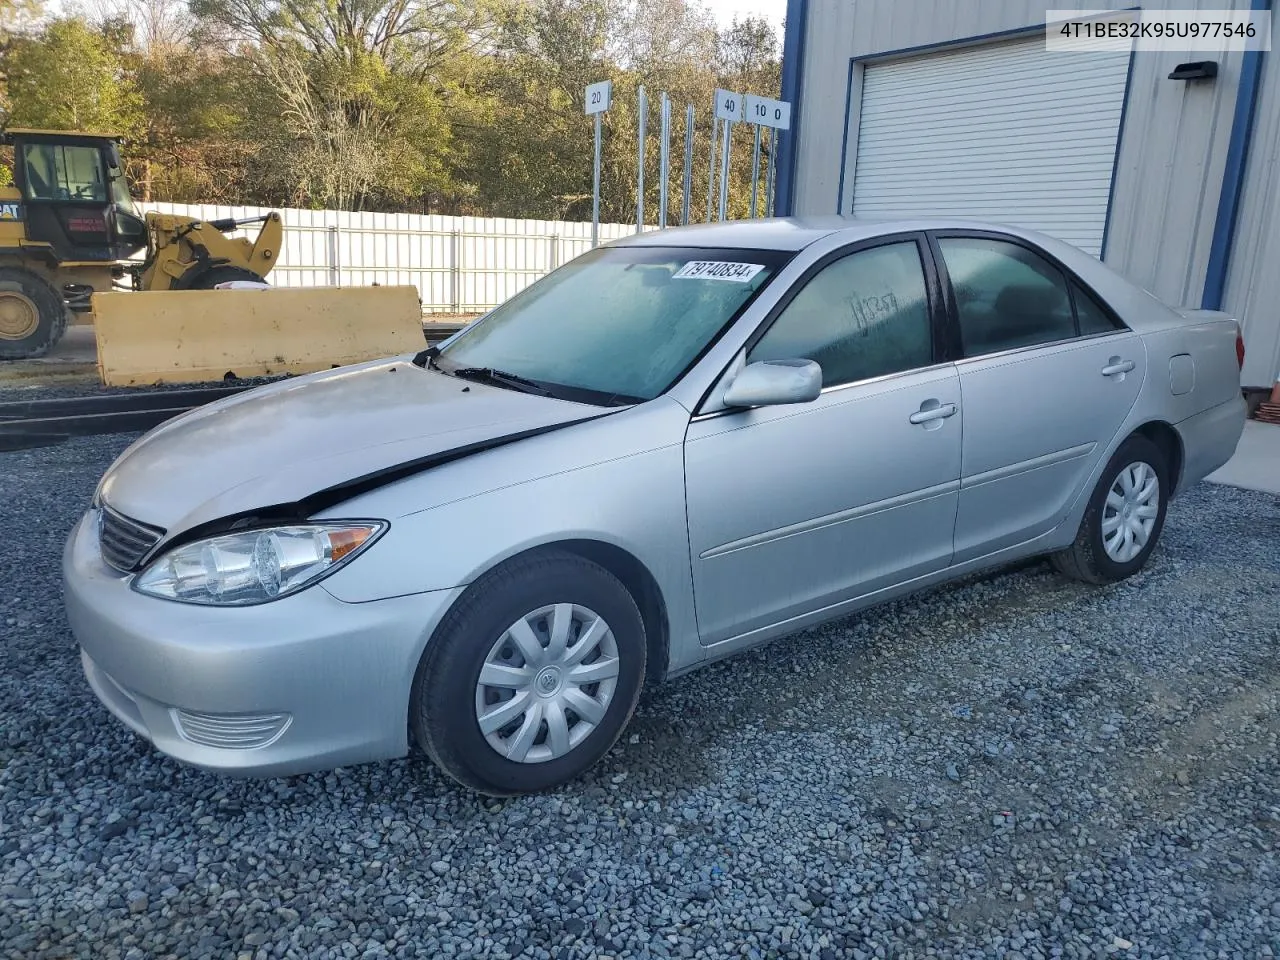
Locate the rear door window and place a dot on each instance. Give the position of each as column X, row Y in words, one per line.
column 1006, row 295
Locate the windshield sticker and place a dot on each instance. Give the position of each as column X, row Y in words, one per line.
column 717, row 270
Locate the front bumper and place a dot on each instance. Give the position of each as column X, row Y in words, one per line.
column 305, row 683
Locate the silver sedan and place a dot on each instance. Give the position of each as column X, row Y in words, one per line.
column 672, row 448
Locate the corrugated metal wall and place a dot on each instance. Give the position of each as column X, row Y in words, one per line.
column 1173, row 150
column 1253, row 275
column 1173, row 145
column 458, row 264
column 839, row 30
column 993, row 131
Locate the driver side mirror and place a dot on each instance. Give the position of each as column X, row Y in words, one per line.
column 768, row 383
column 113, row 156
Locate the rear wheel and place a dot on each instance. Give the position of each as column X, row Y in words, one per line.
column 1125, row 516
column 32, row 315
column 531, row 677
column 216, row 275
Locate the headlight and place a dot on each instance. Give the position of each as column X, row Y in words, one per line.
column 255, row 565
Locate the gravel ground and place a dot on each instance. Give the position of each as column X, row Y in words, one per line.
column 1015, row 766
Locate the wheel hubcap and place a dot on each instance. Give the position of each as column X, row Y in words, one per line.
column 19, row 317
column 1129, row 514
column 547, row 683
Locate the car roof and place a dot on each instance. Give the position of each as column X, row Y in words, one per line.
column 796, row 233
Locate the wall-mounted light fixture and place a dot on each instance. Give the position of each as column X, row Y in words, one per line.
column 1199, row 70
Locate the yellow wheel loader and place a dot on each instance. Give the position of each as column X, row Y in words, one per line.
column 68, row 227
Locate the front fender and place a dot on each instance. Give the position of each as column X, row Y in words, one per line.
column 631, row 499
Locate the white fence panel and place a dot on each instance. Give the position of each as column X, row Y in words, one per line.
column 458, row 264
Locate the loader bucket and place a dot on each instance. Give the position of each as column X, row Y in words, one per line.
column 184, row 336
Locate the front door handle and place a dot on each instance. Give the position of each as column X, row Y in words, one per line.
column 1116, row 365
column 931, row 410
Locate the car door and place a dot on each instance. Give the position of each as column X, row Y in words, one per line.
column 794, row 508
column 1047, row 376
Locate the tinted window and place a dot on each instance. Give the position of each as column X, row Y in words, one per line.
column 1006, row 295
column 1093, row 319
column 861, row 316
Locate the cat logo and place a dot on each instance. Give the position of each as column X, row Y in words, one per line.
column 10, row 211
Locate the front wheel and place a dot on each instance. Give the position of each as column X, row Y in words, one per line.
column 531, row 677
column 32, row 315
column 1124, row 519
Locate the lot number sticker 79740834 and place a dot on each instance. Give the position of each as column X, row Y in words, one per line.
column 717, row 270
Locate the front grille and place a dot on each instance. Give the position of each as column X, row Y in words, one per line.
column 231, row 732
column 123, row 541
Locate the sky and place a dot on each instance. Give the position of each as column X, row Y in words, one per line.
column 723, row 10
column 771, row 10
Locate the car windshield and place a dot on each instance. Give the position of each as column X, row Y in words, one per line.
column 617, row 324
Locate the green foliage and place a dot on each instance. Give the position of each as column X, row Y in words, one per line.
column 70, row 77
column 457, row 106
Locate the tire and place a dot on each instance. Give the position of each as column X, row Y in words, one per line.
column 448, row 700
column 1091, row 558
column 32, row 315
column 216, row 275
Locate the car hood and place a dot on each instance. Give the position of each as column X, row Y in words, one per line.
column 283, row 443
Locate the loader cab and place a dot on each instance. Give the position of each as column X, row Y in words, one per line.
column 75, row 195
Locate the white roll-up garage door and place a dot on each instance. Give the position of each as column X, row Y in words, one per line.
column 1006, row 132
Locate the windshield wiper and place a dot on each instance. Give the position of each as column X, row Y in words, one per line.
column 502, row 379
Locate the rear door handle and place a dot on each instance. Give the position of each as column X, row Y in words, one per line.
column 1117, row 366
column 937, row 411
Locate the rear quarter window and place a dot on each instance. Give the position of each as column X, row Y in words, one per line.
column 1093, row 318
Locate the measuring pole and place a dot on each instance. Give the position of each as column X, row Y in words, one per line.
column 664, row 163
column 730, row 108
column 711, row 166
column 776, row 115
column 773, row 167
column 688, row 164
column 595, row 190
column 596, row 101
column 755, row 171
column 644, row 116
column 724, row 168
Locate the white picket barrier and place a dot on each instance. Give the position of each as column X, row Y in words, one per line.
column 459, row 264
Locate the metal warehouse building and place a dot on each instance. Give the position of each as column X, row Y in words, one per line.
column 955, row 107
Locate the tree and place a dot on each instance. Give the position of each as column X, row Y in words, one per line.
column 356, row 112
column 748, row 56
column 70, row 77
column 16, row 16
column 460, row 106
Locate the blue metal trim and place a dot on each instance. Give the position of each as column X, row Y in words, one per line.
column 784, row 185
column 975, row 39
column 1115, row 161
column 945, row 44
column 844, row 140
column 1224, row 226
